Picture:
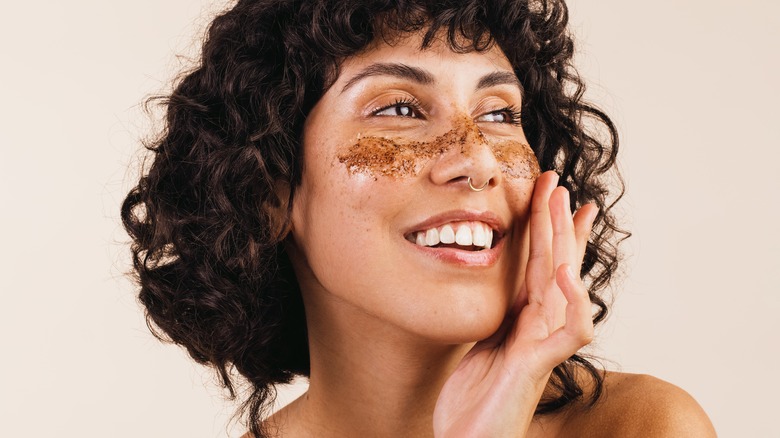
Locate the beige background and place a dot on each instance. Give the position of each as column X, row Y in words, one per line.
column 693, row 86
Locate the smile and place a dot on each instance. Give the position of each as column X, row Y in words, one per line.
column 460, row 237
column 463, row 235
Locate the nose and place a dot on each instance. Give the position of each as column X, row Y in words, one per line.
column 468, row 162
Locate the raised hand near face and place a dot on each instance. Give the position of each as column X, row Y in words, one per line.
column 498, row 384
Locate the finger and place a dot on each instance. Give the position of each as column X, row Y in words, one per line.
column 583, row 225
column 540, row 256
column 578, row 329
column 539, row 263
column 564, row 243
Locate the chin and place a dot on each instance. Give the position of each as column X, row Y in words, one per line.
column 477, row 327
column 464, row 322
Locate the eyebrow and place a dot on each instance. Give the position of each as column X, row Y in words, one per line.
column 498, row 78
column 421, row 76
column 402, row 71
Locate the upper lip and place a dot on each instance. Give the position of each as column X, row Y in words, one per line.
column 488, row 217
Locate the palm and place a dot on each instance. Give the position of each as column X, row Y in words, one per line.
column 497, row 385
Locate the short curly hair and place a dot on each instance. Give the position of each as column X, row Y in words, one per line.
column 213, row 273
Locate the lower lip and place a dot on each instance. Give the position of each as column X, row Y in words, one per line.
column 460, row 257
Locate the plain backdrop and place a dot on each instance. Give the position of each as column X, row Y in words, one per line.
column 693, row 86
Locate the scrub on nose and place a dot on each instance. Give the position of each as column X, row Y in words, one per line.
column 399, row 157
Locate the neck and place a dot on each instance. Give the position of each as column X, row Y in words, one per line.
column 369, row 378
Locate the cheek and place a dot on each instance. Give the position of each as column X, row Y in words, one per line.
column 520, row 170
column 379, row 156
column 517, row 160
column 340, row 220
column 340, row 209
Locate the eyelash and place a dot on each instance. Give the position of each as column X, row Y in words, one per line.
column 514, row 113
column 413, row 103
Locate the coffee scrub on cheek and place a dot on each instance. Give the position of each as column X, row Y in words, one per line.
column 400, row 157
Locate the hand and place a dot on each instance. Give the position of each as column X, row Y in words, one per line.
column 495, row 389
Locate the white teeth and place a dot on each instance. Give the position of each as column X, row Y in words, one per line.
column 432, row 237
column 463, row 236
column 447, row 234
column 478, row 237
column 468, row 234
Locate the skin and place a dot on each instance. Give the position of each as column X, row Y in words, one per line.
column 400, row 338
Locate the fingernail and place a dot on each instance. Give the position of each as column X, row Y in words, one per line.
column 570, row 272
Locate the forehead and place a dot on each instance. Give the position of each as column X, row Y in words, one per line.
column 438, row 58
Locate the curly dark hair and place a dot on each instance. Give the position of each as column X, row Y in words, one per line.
column 209, row 257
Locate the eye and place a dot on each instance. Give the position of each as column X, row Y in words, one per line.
column 401, row 108
column 505, row 115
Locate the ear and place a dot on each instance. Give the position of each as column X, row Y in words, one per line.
column 278, row 211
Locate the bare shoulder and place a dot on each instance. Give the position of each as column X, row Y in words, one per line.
column 638, row 405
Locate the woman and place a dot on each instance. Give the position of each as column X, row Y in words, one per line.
column 379, row 196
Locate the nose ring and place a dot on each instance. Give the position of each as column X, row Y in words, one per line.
column 471, row 186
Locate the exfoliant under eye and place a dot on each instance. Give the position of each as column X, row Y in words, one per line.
column 516, row 159
column 391, row 156
column 399, row 157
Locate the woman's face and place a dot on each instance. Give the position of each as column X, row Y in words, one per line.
column 384, row 222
